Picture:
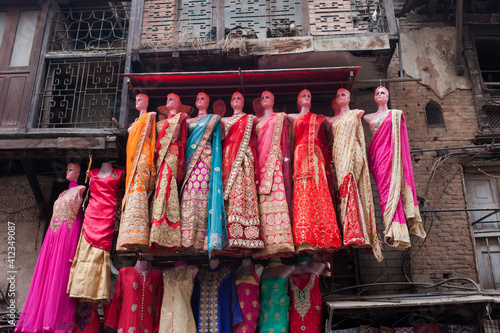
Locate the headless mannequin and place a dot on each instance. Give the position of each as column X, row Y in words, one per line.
column 237, row 103
column 141, row 104
column 267, row 103
column 244, row 269
column 257, row 108
column 72, row 174
column 315, row 268
column 214, row 263
column 143, row 267
column 336, row 110
column 105, row 170
column 342, row 102
column 181, row 264
column 219, row 108
column 276, row 268
column 381, row 97
column 202, row 102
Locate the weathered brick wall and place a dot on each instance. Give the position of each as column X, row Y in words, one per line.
column 448, row 250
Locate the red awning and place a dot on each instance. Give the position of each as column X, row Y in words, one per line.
column 225, row 83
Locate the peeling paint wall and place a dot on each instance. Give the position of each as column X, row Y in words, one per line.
column 429, row 53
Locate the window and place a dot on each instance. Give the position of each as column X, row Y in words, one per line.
column 483, row 192
column 488, row 53
column 434, row 114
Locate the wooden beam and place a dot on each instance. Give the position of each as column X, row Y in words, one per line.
column 391, row 17
column 459, row 60
column 35, row 187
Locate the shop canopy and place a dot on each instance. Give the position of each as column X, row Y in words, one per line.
column 224, row 83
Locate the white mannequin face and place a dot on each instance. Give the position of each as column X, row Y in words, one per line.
column 72, row 172
column 381, row 95
column 267, row 100
column 173, row 102
column 141, row 102
column 304, row 99
column 202, row 101
column 237, row 101
column 343, row 97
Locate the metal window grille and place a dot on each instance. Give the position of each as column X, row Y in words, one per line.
column 91, row 28
column 81, row 93
column 494, row 119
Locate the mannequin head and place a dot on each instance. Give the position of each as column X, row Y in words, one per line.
column 219, row 107
column 381, row 95
column 304, row 99
column 343, row 97
column 73, row 172
column 257, row 108
column 335, row 106
column 173, row 102
column 237, row 101
column 141, row 102
column 202, row 101
column 267, row 99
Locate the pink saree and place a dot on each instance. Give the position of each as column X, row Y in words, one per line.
column 274, row 186
column 390, row 163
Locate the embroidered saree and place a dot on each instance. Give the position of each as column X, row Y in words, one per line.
column 357, row 212
column 134, row 225
column 240, row 192
column 274, row 188
column 390, row 164
column 169, row 162
column 202, row 205
column 314, row 221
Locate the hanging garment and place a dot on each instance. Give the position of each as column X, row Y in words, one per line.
column 314, row 220
column 357, row 214
column 305, row 304
column 240, row 192
column 170, row 168
column 202, row 206
column 274, row 186
column 248, row 296
column 274, row 305
column 134, row 225
column 215, row 300
column 132, row 307
column 391, row 166
column 47, row 306
column 87, row 318
column 90, row 273
column 176, row 312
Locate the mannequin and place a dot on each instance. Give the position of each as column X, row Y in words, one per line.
column 393, row 173
column 176, row 311
column 202, row 206
column 257, row 108
column 170, row 169
column 50, row 278
column 238, row 178
column 133, row 299
column 357, row 213
column 215, row 300
column 134, row 225
column 90, row 270
column 314, row 220
column 247, row 285
column 274, row 183
column 219, row 108
column 306, row 303
column 274, row 299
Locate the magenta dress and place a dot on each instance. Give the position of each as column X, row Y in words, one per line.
column 248, row 295
column 47, row 307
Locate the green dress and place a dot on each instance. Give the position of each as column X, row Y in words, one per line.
column 275, row 305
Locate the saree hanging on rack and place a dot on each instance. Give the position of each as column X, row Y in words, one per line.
column 202, row 205
column 170, row 167
column 240, row 192
column 357, row 212
column 391, row 166
column 134, row 225
column 314, row 220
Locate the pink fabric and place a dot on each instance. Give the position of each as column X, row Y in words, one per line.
column 248, row 295
column 48, row 308
column 380, row 160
